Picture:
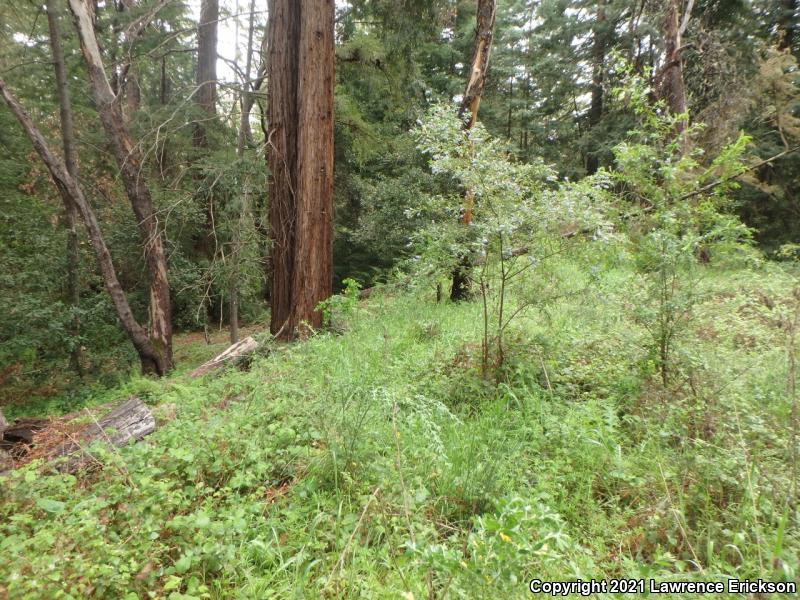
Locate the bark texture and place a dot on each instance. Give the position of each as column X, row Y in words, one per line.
column 468, row 113
column 128, row 157
column 128, row 422
column 206, row 95
column 484, row 32
column 68, row 142
column 300, row 158
column 68, row 186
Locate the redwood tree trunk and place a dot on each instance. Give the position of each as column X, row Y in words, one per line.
column 206, row 95
column 129, row 160
column 300, row 158
column 468, row 113
column 70, row 209
column 70, row 190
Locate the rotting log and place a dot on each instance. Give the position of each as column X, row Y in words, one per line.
column 128, row 422
column 68, row 439
column 234, row 352
column 18, row 437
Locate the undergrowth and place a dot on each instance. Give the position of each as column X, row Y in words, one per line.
column 377, row 462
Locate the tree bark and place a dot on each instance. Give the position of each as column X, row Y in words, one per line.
column 151, row 359
column 313, row 262
column 484, row 32
column 300, row 157
column 206, row 95
column 598, row 75
column 129, row 160
column 468, row 113
column 70, row 209
column 673, row 91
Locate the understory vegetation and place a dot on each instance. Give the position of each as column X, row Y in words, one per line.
column 612, row 403
column 450, row 353
column 379, row 462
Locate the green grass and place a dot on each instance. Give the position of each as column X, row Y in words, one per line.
column 379, row 464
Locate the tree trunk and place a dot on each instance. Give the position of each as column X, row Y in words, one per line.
column 300, row 157
column 598, row 75
column 673, row 91
column 70, row 210
column 282, row 111
column 129, row 160
column 151, row 359
column 468, row 113
column 206, row 95
column 233, row 307
column 313, row 263
column 484, row 32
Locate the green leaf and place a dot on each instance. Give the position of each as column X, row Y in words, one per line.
column 51, row 506
column 173, row 583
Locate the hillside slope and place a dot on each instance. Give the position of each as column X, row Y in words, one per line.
column 377, row 462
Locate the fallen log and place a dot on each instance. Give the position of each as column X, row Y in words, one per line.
column 129, row 422
column 18, row 437
column 67, row 439
column 234, row 352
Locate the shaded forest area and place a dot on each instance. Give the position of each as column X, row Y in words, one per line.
column 397, row 298
column 193, row 145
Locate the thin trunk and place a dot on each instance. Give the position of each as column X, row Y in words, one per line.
column 484, row 32
column 70, row 209
column 468, row 113
column 510, row 105
column 300, row 158
column 162, row 156
column 129, row 160
column 598, row 75
column 673, row 91
column 151, row 359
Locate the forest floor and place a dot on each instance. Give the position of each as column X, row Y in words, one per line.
column 379, row 462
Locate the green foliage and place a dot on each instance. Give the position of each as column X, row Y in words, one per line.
column 518, row 221
column 679, row 224
column 342, row 305
column 263, row 483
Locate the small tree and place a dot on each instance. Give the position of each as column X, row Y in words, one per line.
column 677, row 219
column 521, row 220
